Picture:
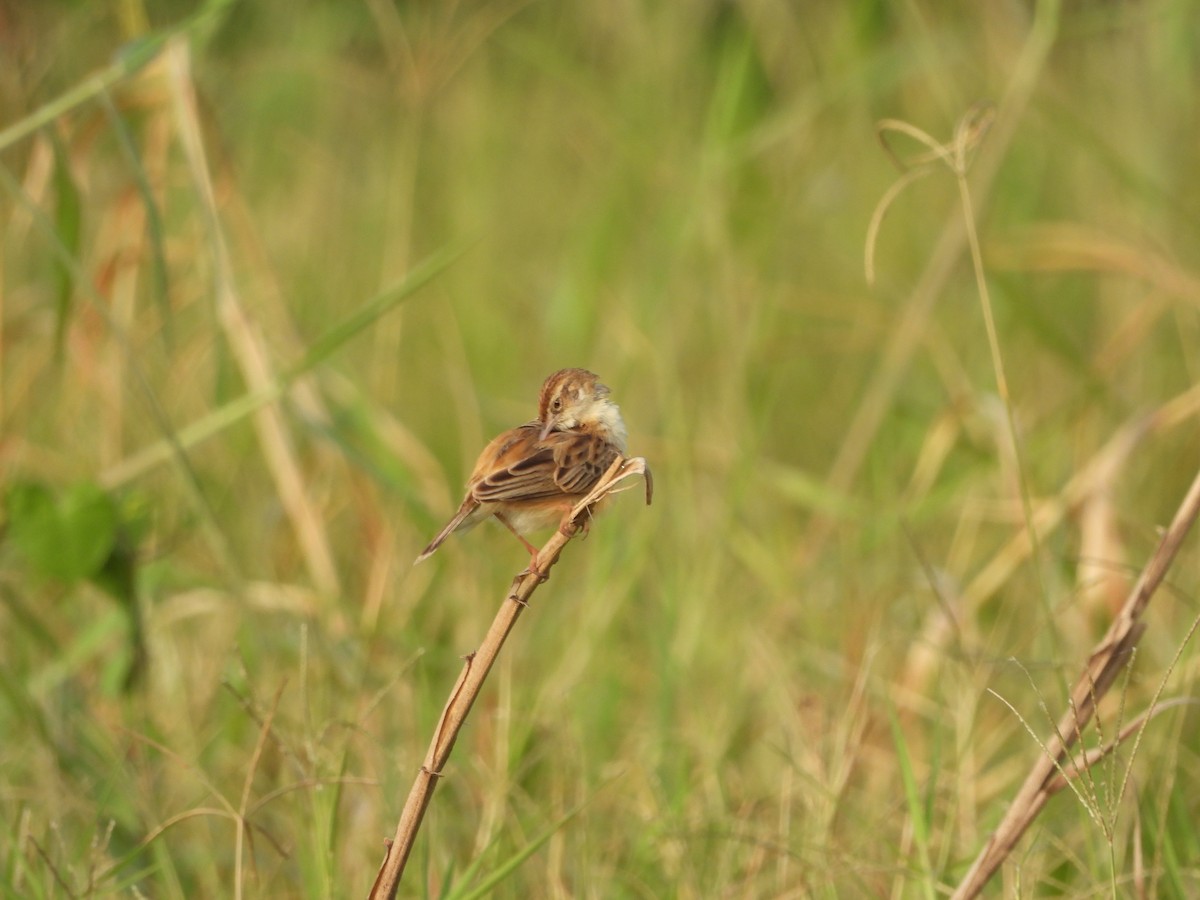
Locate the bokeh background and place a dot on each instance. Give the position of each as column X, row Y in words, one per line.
column 273, row 272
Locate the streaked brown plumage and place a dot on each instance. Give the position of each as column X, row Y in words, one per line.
column 531, row 476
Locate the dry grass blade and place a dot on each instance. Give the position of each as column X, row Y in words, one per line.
column 247, row 344
column 913, row 319
column 1106, row 661
column 475, row 672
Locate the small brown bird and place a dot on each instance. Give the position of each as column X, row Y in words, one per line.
column 532, row 476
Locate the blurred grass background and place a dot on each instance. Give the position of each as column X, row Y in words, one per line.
column 772, row 683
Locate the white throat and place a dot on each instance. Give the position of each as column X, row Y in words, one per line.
column 607, row 416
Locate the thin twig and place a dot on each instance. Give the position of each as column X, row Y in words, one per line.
column 1106, row 661
column 478, row 664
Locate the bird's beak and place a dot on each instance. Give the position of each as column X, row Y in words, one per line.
column 547, row 428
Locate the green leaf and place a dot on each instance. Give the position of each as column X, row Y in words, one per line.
column 69, row 537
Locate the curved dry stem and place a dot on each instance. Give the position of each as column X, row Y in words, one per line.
column 969, row 132
column 937, row 150
column 881, row 210
column 913, row 320
column 478, row 664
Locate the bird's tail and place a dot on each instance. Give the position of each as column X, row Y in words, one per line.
column 452, row 526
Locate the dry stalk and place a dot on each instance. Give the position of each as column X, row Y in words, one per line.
column 245, row 339
column 912, row 321
column 1111, row 654
column 478, row 664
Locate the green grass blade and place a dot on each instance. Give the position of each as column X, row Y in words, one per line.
column 236, row 410
column 498, row 875
column 915, row 803
column 377, row 307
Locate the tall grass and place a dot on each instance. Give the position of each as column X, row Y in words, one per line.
column 273, row 273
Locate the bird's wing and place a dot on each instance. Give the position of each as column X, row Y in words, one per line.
column 580, row 460
column 526, row 467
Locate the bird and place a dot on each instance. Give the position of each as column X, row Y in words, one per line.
column 530, row 477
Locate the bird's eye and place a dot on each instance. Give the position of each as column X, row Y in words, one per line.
column 556, row 404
